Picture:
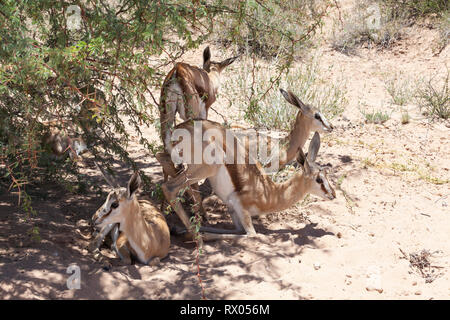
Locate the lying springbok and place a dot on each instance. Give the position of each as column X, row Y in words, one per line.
column 308, row 119
column 244, row 188
column 60, row 143
column 188, row 91
column 147, row 239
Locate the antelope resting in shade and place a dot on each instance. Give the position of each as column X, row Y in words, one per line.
column 60, row 144
column 122, row 213
column 308, row 120
column 243, row 187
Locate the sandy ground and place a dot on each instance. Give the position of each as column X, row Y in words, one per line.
column 393, row 196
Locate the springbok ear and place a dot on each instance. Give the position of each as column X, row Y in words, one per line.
column 227, row 62
column 314, row 146
column 287, row 96
column 207, row 59
column 299, row 103
column 301, row 157
column 294, row 100
column 304, row 162
column 133, row 184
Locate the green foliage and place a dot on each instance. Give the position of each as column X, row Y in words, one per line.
column 433, row 95
column 290, row 24
column 96, row 81
column 394, row 15
column 416, row 8
column 35, row 234
column 271, row 110
column 376, row 116
column 399, row 90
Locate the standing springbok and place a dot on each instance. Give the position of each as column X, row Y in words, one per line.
column 244, row 188
column 147, row 239
column 188, row 91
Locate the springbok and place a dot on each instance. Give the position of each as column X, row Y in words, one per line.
column 308, row 119
column 60, row 143
column 188, row 91
column 244, row 188
column 146, row 239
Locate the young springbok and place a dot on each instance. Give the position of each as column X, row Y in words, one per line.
column 244, row 188
column 308, row 120
column 147, row 239
column 58, row 141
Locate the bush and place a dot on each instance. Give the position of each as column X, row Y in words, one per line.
column 433, row 95
column 379, row 23
column 399, row 90
column 416, row 8
column 292, row 22
column 246, row 92
column 91, row 78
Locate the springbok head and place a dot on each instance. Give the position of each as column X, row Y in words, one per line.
column 317, row 122
column 211, row 66
column 118, row 203
column 315, row 176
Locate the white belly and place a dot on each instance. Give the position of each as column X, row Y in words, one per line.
column 222, row 184
column 202, row 114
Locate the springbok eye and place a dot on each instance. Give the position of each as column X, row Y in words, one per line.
column 319, row 180
column 317, row 116
column 114, row 205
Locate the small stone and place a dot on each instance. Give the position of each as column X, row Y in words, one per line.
column 373, row 288
column 339, row 235
column 316, row 266
column 414, row 283
column 418, row 293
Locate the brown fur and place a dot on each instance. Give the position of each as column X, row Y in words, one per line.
column 150, row 234
column 196, row 88
column 252, row 188
column 143, row 228
column 199, row 88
